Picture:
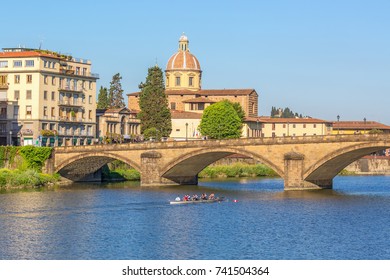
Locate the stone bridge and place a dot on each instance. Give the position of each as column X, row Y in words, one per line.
column 303, row 162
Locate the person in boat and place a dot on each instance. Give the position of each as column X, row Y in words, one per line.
column 177, row 198
column 204, row 196
column 211, row 196
column 195, row 197
column 186, row 197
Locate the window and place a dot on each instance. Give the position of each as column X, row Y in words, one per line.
column 29, row 63
column 28, row 110
column 4, row 64
column 53, row 80
column 45, row 63
column 284, row 125
column 17, row 63
column 44, row 126
column 89, row 130
column 173, row 105
column 90, row 99
column 294, row 125
column 28, row 94
column 52, row 112
column 177, row 81
column 16, row 94
column 190, row 81
column 45, row 80
column 314, row 125
column 304, row 125
column 273, row 128
column 90, row 114
column 52, row 126
column 200, row 106
column 45, row 95
column 17, row 79
column 16, row 111
column 44, row 111
column 53, row 97
column 90, row 85
column 29, row 79
column 3, row 79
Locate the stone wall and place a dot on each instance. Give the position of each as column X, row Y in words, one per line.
column 366, row 165
column 370, row 165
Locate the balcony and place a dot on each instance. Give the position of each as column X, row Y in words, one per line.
column 4, row 86
column 70, row 103
column 70, row 119
column 27, row 132
column 72, row 72
column 70, row 88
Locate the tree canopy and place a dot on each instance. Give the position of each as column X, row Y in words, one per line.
column 154, row 104
column 103, row 102
column 284, row 113
column 221, row 121
column 115, row 94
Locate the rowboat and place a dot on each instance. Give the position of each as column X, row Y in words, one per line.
column 218, row 199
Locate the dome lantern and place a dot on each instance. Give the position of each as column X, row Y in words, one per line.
column 183, row 43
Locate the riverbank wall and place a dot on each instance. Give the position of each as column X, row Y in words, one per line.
column 368, row 165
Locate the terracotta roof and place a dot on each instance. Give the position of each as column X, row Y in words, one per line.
column 199, row 100
column 26, row 54
column 183, row 60
column 287, row 120
column 175, row 114
column 360, row 125
column 205, row 92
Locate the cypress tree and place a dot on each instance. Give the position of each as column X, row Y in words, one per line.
column 103, row 98
column 115, row 95
column 153, row 104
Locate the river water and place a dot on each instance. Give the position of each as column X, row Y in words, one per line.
column 257, row 221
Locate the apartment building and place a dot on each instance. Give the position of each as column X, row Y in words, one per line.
column 46, row 97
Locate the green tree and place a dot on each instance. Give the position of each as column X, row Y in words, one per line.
column 221, row 121
column 115, row 94
column 153, row 104
column 240, row 111
column 103, row 102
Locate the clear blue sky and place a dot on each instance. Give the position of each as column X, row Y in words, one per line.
column 320, row 58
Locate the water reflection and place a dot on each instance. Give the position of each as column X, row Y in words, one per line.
column 124, row 221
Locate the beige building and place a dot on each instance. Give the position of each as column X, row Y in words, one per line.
column 44, row 93
column 121, row 124
column 286, row 127
column 359, row 127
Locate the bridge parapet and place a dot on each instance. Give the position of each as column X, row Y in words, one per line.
column 228, row 142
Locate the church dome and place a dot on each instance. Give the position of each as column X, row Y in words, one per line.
column 183, row 59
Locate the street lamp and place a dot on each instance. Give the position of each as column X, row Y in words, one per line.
column 364, row 125
column 338, row 121
column 10, row 137
column 186, row 131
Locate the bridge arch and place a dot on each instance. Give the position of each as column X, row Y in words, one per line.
column 189, row 165
column 325, row 169
column 78, row 167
